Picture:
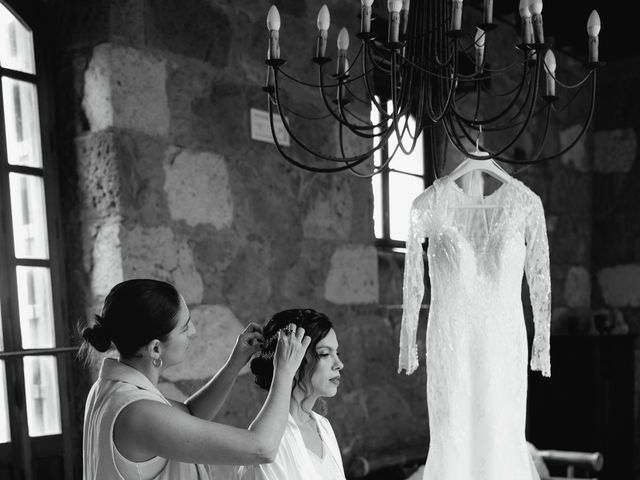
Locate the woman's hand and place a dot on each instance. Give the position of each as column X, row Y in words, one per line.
column 290, row 350
column 248, row 343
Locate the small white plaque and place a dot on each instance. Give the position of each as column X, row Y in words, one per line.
column 261, row 128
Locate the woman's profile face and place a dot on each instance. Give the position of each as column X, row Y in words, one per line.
column 175, row 347
column 324, row 380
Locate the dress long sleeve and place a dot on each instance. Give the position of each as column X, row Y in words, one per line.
column 538, row 278
column 413, row 285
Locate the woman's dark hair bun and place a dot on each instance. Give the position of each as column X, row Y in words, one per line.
column 262, row 368
column 97, row 335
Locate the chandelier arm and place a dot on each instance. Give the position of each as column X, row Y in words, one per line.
column 375, row 63
column 575, row 140
column 355, row 129
column 515, row 137
column 496, row 117
column 304, row 117
column 565, row 85
column 560, row 109
column 376, row 169
column 394, row 99
column 358, row 158
column 384, row 115
column 349, row 163
column 547, row 122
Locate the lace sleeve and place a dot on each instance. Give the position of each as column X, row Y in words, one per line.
column 538, row 278
column 413, row 286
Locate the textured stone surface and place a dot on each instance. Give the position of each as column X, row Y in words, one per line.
column 125, row 88
column 620, row 285
column 202, row 31
column 197, row 188
column 577, row 287
column 107, row 266
column 353, row 276
column 158, row 253
column 615, row 150
column 329, row 215
column 98, row 174
column 578, row 157
column 217, row 329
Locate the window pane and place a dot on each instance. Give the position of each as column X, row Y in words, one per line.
column 5, row 432
column 403, row 189
column 36, row 312
column 16, row 43
column 376, row 184
column 1, row 338
column 22, row 125
column 29, row 216
column 413, row 163
column 43, row 399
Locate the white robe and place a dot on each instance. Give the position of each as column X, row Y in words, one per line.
column 292, row 460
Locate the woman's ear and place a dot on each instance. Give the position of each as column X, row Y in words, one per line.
column 154, row 349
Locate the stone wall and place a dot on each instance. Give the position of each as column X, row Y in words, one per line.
column 616, row 207
column 161, row 179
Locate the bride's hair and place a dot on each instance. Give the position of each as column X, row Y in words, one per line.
column 316, row 326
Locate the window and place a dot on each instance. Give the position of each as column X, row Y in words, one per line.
column 395, row 189
column 33, row 349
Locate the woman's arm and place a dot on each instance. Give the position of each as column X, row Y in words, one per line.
column 145, row 429
column 207, row 401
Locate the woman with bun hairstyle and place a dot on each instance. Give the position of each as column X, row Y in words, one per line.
column 308, row 450
column 131, row 431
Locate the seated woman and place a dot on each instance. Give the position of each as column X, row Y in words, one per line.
column 131, row 431
column 309, row 449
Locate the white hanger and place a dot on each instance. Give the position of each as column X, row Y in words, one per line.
column 488, row 166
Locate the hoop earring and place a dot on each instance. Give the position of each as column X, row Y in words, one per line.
column 157, row 362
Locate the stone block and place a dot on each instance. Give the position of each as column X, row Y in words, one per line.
column 98, row 174
column 353, row 275
column 620, row 285
column 578, row 157
column 157, row 253
column 217, row 330
column 125, row 88
column 197, row 188
column 577, row 287
column 328, row 215
column 570, row 193
column 615, row 150
column 203, row 30
column 106, row 267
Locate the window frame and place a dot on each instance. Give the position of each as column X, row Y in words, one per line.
column 23, row 452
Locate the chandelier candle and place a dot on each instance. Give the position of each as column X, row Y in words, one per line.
column 593, row 30
column 527, row 26
column 394, row 7
column 456, row 21
column 365, row 18
column 535, row 7
column 404, row 17
column 488, row 11
column 550, row 64
column 324, row 20
column 479, row 48
column 273, row 24
column 343, row 45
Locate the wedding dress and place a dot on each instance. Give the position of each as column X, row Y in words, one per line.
column 476, row 336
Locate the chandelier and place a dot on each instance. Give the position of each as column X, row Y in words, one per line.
column 421, row 59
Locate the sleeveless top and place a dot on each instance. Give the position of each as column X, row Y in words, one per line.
column 119, row 385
